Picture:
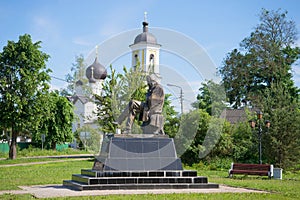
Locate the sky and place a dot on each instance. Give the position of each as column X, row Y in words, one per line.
column 69, row 28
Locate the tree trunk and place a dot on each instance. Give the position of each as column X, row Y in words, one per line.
column 53, row 145
column 13, row 145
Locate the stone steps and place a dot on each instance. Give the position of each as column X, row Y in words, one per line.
column 137, row 162
column 110, row 180
column 77, row 186
column 136, row 180
column 157, row 173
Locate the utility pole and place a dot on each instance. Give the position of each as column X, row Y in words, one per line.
column 180, row 97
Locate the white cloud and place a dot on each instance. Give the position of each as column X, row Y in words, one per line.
column 81, row 40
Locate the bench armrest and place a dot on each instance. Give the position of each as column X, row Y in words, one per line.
column 231, row 168
column 271, row 170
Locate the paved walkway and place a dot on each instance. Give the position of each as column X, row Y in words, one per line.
column 69, row 157
column 51, row 191
column 42, row 162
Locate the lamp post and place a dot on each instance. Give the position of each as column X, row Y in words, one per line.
column 181, row 96
column 258, row 124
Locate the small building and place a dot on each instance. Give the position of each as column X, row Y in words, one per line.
column 234, row 115
column 84, row 101
column 237, row 115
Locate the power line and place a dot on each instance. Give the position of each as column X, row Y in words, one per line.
column 60, row 79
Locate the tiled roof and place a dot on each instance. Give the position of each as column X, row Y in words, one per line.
column 234, row 115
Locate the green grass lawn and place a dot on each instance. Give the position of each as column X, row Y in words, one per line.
column 33, row 160
column 39, row 152
column 55, row 173
column 39, row 174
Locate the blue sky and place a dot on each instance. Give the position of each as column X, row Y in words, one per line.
column 68, row 28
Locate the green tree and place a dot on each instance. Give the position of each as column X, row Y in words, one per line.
column 57, row 120
column 266, row 57
column 261, row 74
column 172, row 121
column 118, row 90
column 223, row 141
column 245, row 143
column 24, row 78
column 281, row 144
column 77, row 73
column 107, row 101
column 212, row 98
column 192, row 131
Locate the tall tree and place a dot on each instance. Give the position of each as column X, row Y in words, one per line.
column 261, row 74
column 77, row 73
column 106, row 102
column 266, row 57
column 118, row 90
column 172, row 121
column 24, row 78
column 212, row 98
column 281, row 144
column 57, row 121
column 192, row 131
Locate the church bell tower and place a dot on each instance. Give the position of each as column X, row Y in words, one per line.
column 145, row 50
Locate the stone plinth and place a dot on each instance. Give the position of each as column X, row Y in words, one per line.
column 137, row 162
column 145, row 152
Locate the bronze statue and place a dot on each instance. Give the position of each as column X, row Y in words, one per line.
column 150, row 111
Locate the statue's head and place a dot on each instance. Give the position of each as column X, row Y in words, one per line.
column 152, row 80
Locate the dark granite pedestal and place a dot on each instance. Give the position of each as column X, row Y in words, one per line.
column 137, row 162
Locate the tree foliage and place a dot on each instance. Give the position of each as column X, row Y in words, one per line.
column 245, row 143
column 191, row 134
column 57, row 120
column 24, row 79
column 172, row 121
column 77, row 73
column 260, row 74
column 212, row 98
column 106, row 102
column 266, row 57
column 118, row 90
column 281, row 142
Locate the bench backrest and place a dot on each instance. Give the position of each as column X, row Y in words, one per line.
column 259, row 167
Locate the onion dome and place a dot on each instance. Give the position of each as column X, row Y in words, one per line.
column 96, row 71
column 145, row 37
column 79, row 82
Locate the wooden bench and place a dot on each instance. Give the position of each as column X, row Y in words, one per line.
column 251, row 169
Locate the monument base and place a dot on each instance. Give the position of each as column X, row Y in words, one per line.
column 138, row 153
column 134, row 180
column 137, row 162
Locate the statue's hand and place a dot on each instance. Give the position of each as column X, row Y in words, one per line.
column 146, row 108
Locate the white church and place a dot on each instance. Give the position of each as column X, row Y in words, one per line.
column 145, row 50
